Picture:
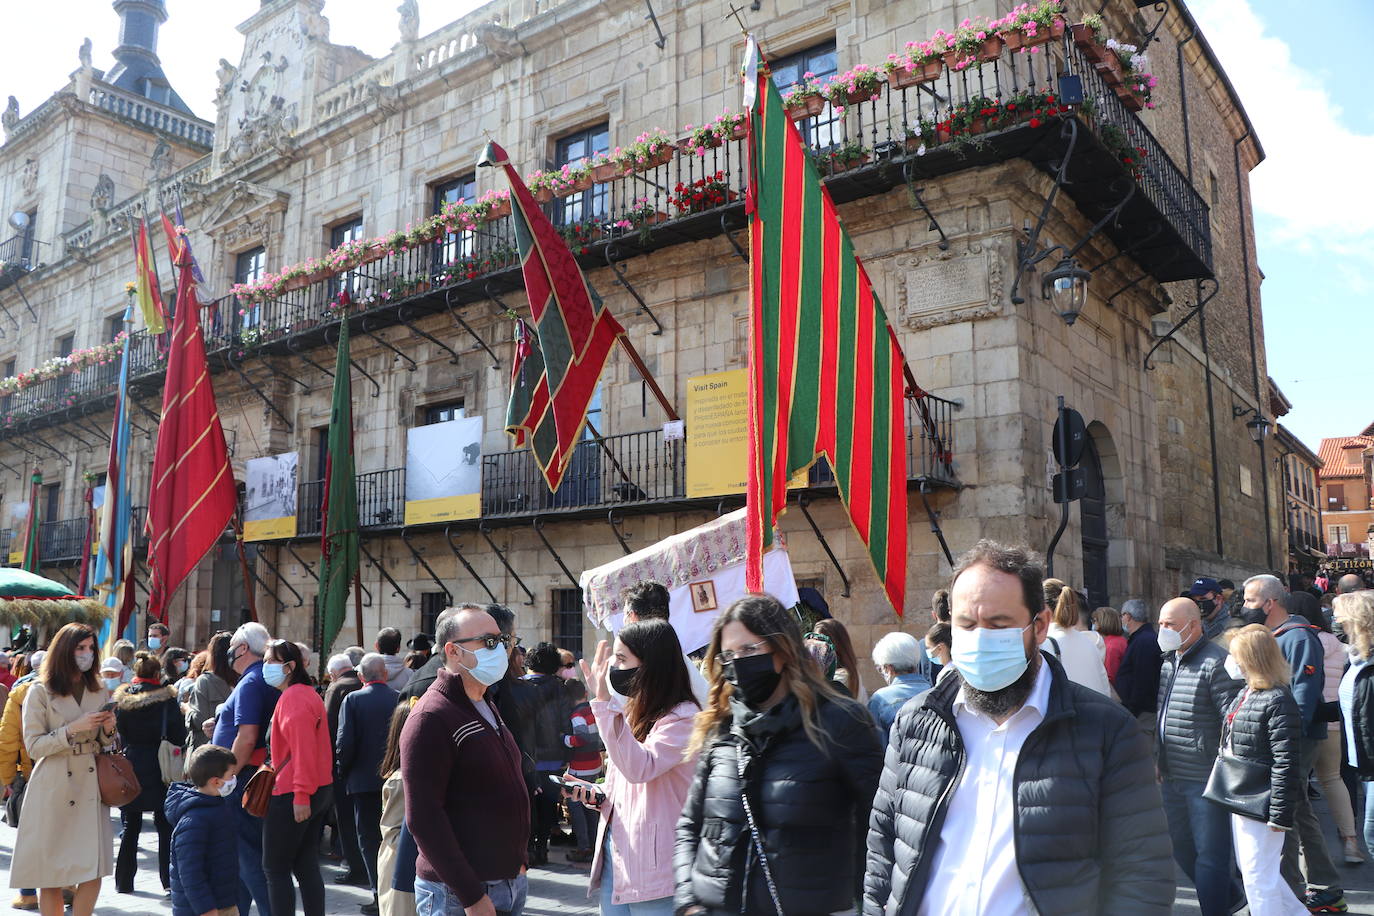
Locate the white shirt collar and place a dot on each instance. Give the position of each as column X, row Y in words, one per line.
column 1038, row 701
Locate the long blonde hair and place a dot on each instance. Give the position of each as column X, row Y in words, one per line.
column 1260, row 659
column 1356, row 611
column 764, row 616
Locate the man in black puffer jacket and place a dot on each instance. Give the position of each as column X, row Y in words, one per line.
column 1007, row 788
column 1195, row 693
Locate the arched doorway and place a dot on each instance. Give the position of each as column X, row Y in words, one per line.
column 1093, row 525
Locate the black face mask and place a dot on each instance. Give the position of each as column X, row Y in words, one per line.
column 753, row 678
column 1207, row 605
column 1253, row 614
column 1339, row 631
column 623, row 680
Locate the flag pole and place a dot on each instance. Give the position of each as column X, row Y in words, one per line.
column 250, row 592
column 648, row 377
column 358, row 603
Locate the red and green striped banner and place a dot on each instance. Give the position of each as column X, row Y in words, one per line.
column 825, row 370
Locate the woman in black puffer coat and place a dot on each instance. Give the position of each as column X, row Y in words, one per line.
column 1263, row 726
column 781, row 747
column 145, row 713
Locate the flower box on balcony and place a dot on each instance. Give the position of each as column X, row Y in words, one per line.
column 603, row 172
column 1086, row 41
column 542, row 195
column 662, row 157
column 806, row 107
column 926, row 72
column 576, row 186
column 1129, row 98
column 844, row 165
column 496, row 211
column 1044, row 36
column 1109, row 68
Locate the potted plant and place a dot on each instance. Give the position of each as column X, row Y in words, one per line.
column 648, row 151
column 973, row 42
column 698, row 140
column 605, row 169
column 703, row 194
column 573, row 177
column 1032, row 24
column 1112, row 67
column 805, row 99
column 842, row 157
column 492, row 206
column 860, row 84
column 1137, row 83
column 1090, row 36
column 921, row 63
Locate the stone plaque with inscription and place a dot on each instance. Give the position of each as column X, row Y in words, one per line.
column 946, row 289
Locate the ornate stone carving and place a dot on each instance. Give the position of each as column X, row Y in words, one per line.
column 224, row 77
column 84, row 55
column 499, row 40
column 102, row 198
column 161, row 162
column 29, row 178
column 10, row 117
column 941, row 287
column 268, row 121
column 410, row 19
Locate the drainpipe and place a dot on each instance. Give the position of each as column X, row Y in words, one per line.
column 1202, row 315
column 1254, row 354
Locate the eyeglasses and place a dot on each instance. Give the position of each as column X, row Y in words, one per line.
column 726, row 656
column 487, row 640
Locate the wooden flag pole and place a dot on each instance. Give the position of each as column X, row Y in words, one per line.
column 648, row 377
column 358, row 603
column 249, row 590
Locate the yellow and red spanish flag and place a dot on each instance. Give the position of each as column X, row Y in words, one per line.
column 554, row 377
column 193, row 494
column 147, row 291
column 825, row 369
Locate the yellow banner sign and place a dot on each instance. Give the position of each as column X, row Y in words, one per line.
column 269, row 529
column 443, row 509
column 717, row 435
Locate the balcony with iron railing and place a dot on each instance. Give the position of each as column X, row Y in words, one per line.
column 17, row 255
column 1158, row 216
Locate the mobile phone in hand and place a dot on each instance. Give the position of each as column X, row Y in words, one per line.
column 108, row 707
column 598, row 797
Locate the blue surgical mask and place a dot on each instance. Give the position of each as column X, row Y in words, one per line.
column 111, row 683
column 154, row 642
column 491, row 665
column 274, row 673
column 989, row 659
column 934, row 659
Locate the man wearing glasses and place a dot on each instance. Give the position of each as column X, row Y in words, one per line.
column 242, row 727
column 466, row 801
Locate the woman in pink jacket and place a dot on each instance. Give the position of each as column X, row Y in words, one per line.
column 303, row 792
column 643, row 703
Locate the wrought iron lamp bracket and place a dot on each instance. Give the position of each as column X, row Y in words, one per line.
column 448, row 536
column 620, row 278
column 538, row 526
column 1184, row 320
column 918, row 202
column 363, row 326
column 404, row 314
column 802, row 502
column 485, row 531
column 434, row 577
column 1028, row 253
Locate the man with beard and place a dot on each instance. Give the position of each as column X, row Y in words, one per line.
column 1008, row 788
column 1266, row 602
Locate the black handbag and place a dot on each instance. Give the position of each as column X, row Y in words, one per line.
column 15, row 803
column 1240, row 786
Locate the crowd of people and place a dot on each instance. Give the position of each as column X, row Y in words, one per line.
column 1027, row 754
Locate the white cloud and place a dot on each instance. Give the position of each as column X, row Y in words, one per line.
column 1310, row 185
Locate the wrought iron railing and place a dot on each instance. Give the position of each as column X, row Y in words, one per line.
column 381, row 501
column 61, row 541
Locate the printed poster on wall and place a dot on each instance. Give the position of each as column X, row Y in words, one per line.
column 269, row 499
column 19, row 516
column 717, row 435
column 444, row 471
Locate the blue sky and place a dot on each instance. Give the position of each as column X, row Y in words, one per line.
column 1314, row 205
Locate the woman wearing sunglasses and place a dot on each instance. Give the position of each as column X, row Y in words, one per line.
column 777, row 815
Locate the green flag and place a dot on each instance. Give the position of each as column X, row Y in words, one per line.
column 339, row 517
column 31, row 561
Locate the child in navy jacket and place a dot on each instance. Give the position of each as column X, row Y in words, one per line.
column 205, row 878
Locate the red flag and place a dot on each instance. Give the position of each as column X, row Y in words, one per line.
column 193, row 494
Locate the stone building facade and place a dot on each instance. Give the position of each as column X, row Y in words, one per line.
column 315, row 143
column 1302, row 502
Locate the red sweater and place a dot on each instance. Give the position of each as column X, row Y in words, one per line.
column 301, row 750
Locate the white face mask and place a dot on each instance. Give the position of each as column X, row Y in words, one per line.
column 1170, row 640
column 1233, row 669
column 227, row 788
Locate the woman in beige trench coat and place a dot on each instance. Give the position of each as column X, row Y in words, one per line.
column 65, row 835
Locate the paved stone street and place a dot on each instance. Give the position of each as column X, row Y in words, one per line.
column 559, row 889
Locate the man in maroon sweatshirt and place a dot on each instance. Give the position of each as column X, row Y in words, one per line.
column 466, row 802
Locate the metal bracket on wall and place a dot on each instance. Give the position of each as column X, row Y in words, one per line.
column 402, row 314
column 4, row 308
column 458, row 320
column 69, row 421
column 614, row 521
column 309, row 567
column 802, row 502
column 376, row 386
column 1027, row 255
column 434, row 577
column 18, row 475
column 730, row 237
column 294, row 345
column 448, row 536
column 20, row 290
column 1156, row 227
column 918, row 202
column 935, row 522
column 1184, row 320
column 721, row 510
column 538, row 525
column 18, row 443
column 388, row 344
column 34, row 440
column 229, row 361
column 486, row 534
column 155, row 417
column 620, row 278
column 92, row 427
column 261, row 557
column 286, row 375
column 395, row 586
column 1160, row 7
column 661, row 40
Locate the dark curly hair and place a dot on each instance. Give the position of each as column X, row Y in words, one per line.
column 544, row 659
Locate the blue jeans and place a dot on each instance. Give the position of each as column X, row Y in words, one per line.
column 252, row 879
column 1201, row 834
column 1368, row 813
column 433, row 898
column 663, row 906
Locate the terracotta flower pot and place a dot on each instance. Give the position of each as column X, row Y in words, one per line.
column 576, row 187
column 808, row 107
column 943, row 134
column 991, row 49
column 844, row 165
column 607, row 171
column 652, row 219
column 862, row 95
column 1110, row 68
column 542, row 195
column 1044, row 36
column 1086, row 41
column 1013, row 39
column 738, row 131
column 1129, row 98
column 497, row 211
column 662, row 157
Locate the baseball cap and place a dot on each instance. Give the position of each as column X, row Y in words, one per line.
column 1202, row 586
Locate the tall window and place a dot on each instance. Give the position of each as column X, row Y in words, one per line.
column 11, row 366
column 348, row 231
column 52, row 502
column 113, row 325
column 65, row 344
column 819, row 60
column 567, row 619
column 456, row 244
column 27, row 234
column 1340, row 534
column 249, row 267
column 1335, row 497
column 584, row 144
column 442, row 413
column 432, row 604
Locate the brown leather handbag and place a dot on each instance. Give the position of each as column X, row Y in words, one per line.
column 118, row 782
column 258, row 792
